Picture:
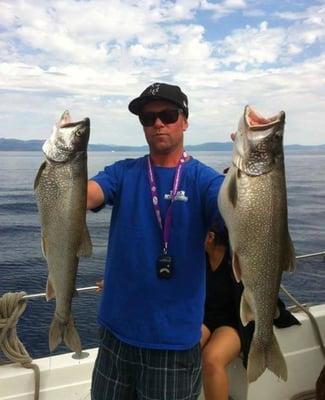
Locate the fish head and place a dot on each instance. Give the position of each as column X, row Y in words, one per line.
column 258, row 142
column 67, row 139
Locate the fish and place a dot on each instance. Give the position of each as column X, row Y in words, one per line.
column 253, row 203
column 60, row 189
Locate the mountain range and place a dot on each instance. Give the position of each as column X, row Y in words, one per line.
column 36, row 145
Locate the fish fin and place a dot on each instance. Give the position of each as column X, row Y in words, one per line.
column 64, row 332
column 55, row 333
column 232, row 189
column 71, row 336
column 50, row 292
column 290, row 260
column 256, row 363
column 275, row 361
column 39, row 173
column 43, row 246
column 236, row 267
column 271, row 357
column 246, row 312
column 86, row 247
column 277, row 313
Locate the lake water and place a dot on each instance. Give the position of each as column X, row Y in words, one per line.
column 22, row 266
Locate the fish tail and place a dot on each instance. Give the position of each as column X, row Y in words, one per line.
column 61, row 331
column 275, row 361
column 256, row 363
column 269, row 357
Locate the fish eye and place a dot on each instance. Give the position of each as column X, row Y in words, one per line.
column 78, row 133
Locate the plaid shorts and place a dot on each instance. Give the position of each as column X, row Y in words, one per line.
column 124, row 372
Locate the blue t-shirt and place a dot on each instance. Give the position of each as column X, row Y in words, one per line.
column 137, row 306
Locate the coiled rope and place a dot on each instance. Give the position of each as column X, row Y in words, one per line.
column 12, row 305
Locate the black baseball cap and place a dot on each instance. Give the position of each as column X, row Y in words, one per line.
column 160, row 91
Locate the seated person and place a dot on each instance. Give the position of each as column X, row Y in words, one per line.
column 220, row 339
column 223, row 335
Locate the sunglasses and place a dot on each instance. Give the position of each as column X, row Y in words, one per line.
column 168, row 116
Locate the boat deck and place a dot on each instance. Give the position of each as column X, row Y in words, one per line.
column 66, row 377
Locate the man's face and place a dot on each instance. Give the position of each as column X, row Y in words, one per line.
column 163, row 137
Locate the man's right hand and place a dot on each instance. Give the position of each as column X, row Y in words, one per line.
column 100, row 286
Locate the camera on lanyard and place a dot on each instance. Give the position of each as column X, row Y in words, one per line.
column 164, row 266
column 164, row 262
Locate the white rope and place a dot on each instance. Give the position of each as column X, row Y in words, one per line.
column 12, row 305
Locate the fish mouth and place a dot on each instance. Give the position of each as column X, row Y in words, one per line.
column 258, row 142
column 68, row 139
column 256, row 121
column 84, row 122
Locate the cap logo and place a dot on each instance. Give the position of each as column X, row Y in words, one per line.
column 154, row 88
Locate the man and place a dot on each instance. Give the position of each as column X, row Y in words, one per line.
column 152, row 304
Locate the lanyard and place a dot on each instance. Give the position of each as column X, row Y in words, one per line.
column 166, row 227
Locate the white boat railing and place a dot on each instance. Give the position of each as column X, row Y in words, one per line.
column 320, row 253
column 302, row 307
column 96, row 288
column 38, row 295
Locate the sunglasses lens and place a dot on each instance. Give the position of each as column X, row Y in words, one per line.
column 166, row 117
column 148, row 118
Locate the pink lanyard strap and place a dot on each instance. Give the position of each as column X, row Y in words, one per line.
column 166, row 227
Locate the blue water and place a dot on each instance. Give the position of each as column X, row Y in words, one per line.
column 22, row 266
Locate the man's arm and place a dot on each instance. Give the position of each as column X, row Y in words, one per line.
column 95, row 195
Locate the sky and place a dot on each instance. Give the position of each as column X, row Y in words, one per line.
column 93, row 57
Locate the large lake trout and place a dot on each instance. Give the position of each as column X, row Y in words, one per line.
column 253, row 203
column 61, row 192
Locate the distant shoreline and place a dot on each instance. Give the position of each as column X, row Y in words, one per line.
column 36, row 145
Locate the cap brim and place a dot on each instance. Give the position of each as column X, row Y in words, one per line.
column 137, row 104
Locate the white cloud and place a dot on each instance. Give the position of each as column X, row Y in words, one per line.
column 308, row 25
column 94, row 56
column 223, row 8
column 252, row 46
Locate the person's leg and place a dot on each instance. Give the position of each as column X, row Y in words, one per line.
column 205, row 335
column 222, row 347
column 169, row 374
column 112, row 373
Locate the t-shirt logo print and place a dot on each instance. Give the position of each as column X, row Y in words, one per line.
column 154, row 89
column 180, row 195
